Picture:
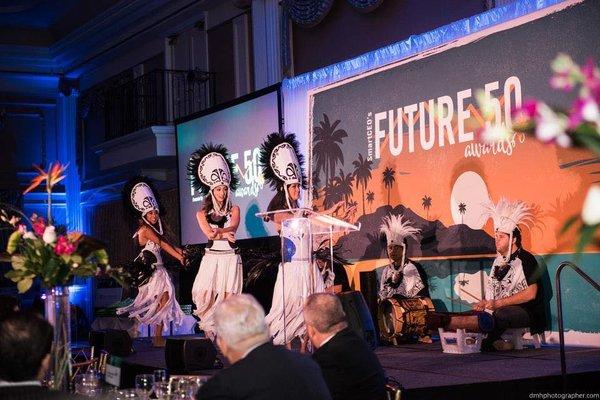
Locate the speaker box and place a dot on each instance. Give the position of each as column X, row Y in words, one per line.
column 189, row 353
column 358, row 316
column 115, row 341
column 369, row 290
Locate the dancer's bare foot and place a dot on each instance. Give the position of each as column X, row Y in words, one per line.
column 158, row 341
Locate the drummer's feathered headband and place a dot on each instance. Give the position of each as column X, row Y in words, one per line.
column 396, row 230
column 508, row 215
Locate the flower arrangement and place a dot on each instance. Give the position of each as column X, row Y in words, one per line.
column 37, row 248
column 577, row 127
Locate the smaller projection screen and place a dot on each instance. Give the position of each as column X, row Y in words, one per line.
column 241, row 127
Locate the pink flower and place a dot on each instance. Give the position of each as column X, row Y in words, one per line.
column 591, row 79
column 525, row 114
column 584, row 110
column 63, row 246
column 39, row 226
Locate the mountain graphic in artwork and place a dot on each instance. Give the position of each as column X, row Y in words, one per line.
column 436, row 239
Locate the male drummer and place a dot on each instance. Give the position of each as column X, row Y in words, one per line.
column 513, row 292
column 402, row 276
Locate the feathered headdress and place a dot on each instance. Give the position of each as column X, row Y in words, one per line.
column 209, row 167
column 139, row 198
column 508, row 215
column 396, row 230
column 282, row 162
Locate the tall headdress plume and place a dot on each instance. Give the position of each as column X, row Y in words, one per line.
column 139, row 198
column 282, row 163
column 209, row 167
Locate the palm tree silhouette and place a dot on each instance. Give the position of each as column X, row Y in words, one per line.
column 388, row 180
column 370, row 199
column 362, row 173
column 332, row 193
column 426, row 202
column 327, row 150
column 344, row 184
column 462, row 209
column 315, row 184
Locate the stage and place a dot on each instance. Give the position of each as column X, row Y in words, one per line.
column 425, row 372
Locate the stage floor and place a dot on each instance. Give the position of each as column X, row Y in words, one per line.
column 424, row 371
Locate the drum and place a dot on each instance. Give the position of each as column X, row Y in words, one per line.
column 402, row 318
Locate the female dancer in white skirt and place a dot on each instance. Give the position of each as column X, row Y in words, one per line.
column 220, row 274
column 155, row 303
column 282, row 168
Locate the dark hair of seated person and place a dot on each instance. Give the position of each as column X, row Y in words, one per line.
column 8, row 305
column 25, row 339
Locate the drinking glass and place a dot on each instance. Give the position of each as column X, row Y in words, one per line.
column 161, row 389
column 143, row 385
column 160, row 375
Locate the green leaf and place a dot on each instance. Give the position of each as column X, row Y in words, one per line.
column 586, row 234
column 569, row 223
column 18, row 262
column 13, row 242
column 24, row 285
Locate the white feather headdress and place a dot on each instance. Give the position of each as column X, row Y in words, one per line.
column 508, row 215
column 396, row 230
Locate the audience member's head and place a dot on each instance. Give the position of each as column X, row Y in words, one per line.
column 8, row 305
column 323, row 316
column 25, row 344
column 240, row 325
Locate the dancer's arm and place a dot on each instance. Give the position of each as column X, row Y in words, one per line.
column 208, row 231
column 147, row 234
column 233, row 223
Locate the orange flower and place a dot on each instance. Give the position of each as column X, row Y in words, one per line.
column 55, row 174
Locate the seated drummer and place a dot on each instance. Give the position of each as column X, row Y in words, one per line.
column 513, row 292
column 402, row 277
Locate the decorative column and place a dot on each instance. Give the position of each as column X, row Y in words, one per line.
column 66, row 111
column 266, row 17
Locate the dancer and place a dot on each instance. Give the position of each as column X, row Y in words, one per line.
column 155, row 303
column 220, row 274
column 282, row 169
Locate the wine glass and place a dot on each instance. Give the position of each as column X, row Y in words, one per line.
column 143, row 385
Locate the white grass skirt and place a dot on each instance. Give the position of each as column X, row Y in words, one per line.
column 296, row 280
column 219, row 276
column 145, row 306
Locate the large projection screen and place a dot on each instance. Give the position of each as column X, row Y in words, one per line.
column 241, row 127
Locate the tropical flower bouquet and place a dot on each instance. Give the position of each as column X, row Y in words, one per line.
column 38, row 249
column 577, row 127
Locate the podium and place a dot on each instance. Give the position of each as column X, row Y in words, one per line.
column 298, row 277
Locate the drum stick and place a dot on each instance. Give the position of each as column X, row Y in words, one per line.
column 473, row 296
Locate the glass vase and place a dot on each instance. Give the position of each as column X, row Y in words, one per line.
column 58, row 313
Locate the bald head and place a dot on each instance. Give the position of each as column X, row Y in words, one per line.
column 324, row 312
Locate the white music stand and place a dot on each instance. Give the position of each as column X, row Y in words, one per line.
column 320, row 224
